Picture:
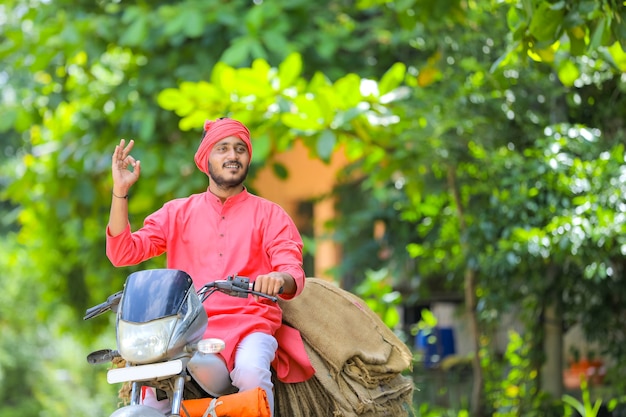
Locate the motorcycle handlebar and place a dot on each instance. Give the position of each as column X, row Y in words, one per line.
column 235, row 286
column 109, row 305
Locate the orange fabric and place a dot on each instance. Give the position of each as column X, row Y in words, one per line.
column 251, row 403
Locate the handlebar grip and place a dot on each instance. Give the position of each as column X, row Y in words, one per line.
column 109, row 305
column 234, row 286
column 251, row 288
column 95, row 311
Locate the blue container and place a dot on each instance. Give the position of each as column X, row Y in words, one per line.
column 436, row 344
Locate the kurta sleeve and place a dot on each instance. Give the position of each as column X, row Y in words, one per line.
column 284, row 247
column 132, row 248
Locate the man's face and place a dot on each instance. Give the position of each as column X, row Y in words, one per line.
column 228, row 162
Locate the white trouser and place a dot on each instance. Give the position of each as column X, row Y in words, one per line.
column 149, row 398
column 253, row 358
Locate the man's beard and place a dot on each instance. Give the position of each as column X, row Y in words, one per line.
column 230, row 183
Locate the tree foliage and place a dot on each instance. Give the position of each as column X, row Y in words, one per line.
column 487, row 136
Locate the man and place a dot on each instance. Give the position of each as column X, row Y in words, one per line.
column 221, row 232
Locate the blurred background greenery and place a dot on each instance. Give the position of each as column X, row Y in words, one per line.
column 487, row 137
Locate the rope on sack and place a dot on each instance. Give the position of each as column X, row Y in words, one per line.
column 211, row 409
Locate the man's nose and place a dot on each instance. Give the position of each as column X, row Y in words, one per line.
column 232, row 154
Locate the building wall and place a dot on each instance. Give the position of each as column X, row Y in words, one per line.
column 309, row 179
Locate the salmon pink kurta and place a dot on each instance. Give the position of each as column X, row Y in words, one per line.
column 246, row 235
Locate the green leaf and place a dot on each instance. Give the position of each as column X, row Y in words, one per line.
column 206, row 92
column 254, row 81
column 598, row 34
column 223, row 77
column 254, row 19
column 568, row 73
column 193, row 120
column 514, row 20
column 392, row 78
column 574, row 403
column 319, row 80
column 546, row 23
column 348, row 89
column 173, row 18
column 415, row 250
column 577, row 43
column 289, row 70
column 308, row 116
column 180, row 100
column 256, row 49
column 618, row 28
column 428, row 318
column 618, row 56
column 326, row 144
column 262, row 147
column 294, row 121
column 136, row 33
column 170, row 98
column 391, row 317
column 280, row 170
column 194, row 23
column 238, row 52
column 328, row 48
column 274, row 40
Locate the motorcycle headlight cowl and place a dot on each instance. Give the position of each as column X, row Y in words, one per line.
column 145, row 342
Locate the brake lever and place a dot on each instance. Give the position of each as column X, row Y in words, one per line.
column 234, row 286
column 262, row 294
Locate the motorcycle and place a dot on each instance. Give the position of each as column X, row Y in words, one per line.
column 160, row 321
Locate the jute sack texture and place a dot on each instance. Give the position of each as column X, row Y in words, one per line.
column 359, row 361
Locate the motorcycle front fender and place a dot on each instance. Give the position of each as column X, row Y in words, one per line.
column 137, row 411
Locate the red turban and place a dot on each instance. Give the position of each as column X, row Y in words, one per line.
column 215, row 131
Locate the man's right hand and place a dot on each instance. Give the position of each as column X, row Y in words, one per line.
column 123, row 177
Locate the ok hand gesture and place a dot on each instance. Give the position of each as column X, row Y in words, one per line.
column 123, row 177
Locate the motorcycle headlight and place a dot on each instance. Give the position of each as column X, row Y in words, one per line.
column 145, row 342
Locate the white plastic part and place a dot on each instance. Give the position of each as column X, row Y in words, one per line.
column 212, row 345
column 145, row 372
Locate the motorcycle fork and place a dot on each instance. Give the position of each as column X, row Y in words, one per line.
column 135, row 393
column 177, row 395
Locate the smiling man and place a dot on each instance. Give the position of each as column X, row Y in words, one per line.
column 214, row 234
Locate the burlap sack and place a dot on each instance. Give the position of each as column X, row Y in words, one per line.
column 358, row 360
